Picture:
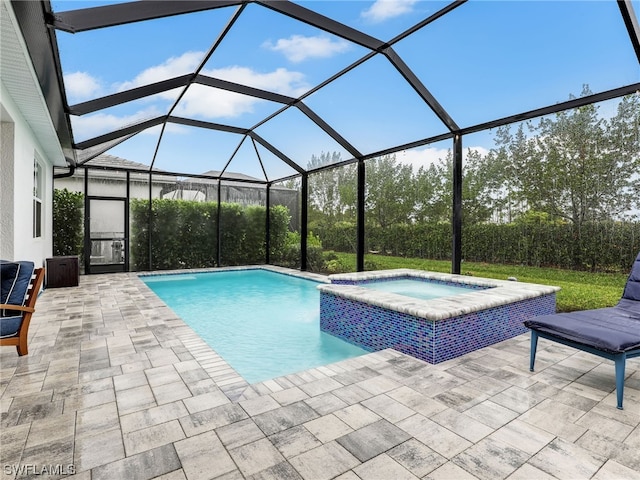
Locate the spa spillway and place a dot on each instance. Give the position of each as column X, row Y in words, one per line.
column 466, row 314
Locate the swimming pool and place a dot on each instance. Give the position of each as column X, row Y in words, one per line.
column 264, row 324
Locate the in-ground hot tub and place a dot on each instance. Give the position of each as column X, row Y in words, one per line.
column 483, row 312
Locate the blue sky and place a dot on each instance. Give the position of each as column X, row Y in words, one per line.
column 485, row 60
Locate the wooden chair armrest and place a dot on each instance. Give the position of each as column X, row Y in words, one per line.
column 4, row 306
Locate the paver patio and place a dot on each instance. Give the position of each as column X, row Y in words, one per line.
column 117, row 386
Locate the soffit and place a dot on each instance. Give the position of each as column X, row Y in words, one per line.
column 20, row 81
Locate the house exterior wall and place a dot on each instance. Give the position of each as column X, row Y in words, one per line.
column 108, row 184
column 19, row 147
column 7, row 130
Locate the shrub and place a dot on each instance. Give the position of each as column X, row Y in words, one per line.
column 290, row 256
column 68, row 215
column 598, row 246
column 184, row 234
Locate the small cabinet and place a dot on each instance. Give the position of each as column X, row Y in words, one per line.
column 63, row 272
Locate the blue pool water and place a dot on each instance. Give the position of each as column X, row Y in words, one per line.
column 416, row 288
column 264, row 324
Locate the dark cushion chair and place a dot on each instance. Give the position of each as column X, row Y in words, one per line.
column 612, row 333
column 20, row 284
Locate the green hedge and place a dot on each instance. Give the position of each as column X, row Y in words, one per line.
column 184, row 233
column 289, row 254
column 599, row 246
column 68, row 215
column 184, row 236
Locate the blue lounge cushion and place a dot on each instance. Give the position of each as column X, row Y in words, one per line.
column 9, row 326
column 632, row 288
column 8, row 277
column 612, row 333
column 613, row 330
column 16, row 277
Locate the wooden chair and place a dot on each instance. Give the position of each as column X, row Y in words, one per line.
column 22, row 313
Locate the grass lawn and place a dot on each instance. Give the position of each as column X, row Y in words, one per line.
column 580, row 290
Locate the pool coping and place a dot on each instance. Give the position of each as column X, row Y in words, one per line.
column 496, row 293
column 275, row 268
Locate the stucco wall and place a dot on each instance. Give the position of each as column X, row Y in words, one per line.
column 103, row 185
column 19, row 146
column 6, row 186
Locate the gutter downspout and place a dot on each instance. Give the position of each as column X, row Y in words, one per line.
column 72, row 169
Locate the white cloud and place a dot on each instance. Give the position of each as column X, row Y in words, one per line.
column 81, row 86
column 481, row 150
column 382, row 10
column 206, row 102
column 298, row 48
column 172, row 67
column 200, row 101
column 423, row 157
column 89, row 126
column 280, row 80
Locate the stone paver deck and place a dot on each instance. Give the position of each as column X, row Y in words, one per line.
column 116, row 386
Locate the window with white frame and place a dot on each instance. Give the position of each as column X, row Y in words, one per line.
column 37, row 198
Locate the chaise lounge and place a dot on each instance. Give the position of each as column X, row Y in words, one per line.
column 612, row 333
column 19, row 287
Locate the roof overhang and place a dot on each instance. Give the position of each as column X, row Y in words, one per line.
column 23, row 84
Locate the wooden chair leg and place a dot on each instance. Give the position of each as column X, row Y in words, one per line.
column 22, row 346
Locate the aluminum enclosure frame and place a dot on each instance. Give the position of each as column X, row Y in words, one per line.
column 38, row 23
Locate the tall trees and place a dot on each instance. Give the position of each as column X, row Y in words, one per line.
column 479, row 187
column 390, row 195
column 328, row 190
column 432, row 186
column 514, row 170
column 576, row 167
column 625, row 146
